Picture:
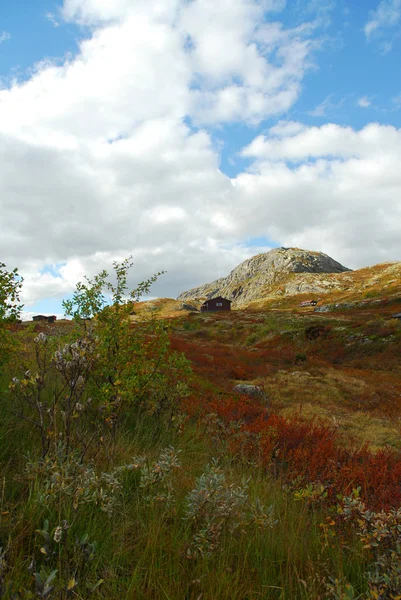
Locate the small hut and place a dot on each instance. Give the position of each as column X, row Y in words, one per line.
column 215, row 304
column 308, row 303
column 48, row 319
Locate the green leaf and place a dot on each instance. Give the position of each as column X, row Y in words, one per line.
column 51, row 577
column 96, row 586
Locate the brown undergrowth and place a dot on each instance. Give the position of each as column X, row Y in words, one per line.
column 333, row 399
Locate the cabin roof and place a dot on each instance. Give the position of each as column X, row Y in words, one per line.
column 217, row 298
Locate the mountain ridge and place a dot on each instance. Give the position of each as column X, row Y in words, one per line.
column 265, row 274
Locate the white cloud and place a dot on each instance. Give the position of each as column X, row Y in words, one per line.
column 53, row 19
column 286, row 128
column 364, row 102
column 326, row 141
column 343, row 195
column 244, row 69
column 99, row 158
column 39, row 285
column 321, row 9
column 382, row 22
column 327, row 107
column 94, row 12
column 4, row 36
column 140, row 65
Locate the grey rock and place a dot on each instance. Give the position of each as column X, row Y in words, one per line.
column 185, row 306
column 309, row 287
column 337, row 306
column 247, row 389
column 322, row 309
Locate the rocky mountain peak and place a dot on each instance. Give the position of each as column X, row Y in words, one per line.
column 252, row 278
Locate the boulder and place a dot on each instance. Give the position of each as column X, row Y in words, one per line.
column 185, row 306
column 247, row 389
column 322, row 309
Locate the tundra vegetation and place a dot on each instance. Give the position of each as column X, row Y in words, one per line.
column 130, row 468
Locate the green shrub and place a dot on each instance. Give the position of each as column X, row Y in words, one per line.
column 10, row 309
column 252, row 338
column 78, row 394
column 216, row 506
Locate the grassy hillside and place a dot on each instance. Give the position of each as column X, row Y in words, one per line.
column 381, row 282
column 341, row 366
column 175, row 486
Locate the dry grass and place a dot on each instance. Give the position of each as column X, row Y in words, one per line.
column 334, row 396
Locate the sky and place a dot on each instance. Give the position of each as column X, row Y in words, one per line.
column 193, row 134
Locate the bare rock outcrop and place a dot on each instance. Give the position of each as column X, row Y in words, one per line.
column 252, row 279
column 254, row 391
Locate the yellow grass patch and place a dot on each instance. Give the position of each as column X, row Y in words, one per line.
column 335, row 396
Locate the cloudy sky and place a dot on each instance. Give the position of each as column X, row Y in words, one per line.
column 192, row 134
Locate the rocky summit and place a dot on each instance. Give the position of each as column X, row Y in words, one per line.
column 282, row 271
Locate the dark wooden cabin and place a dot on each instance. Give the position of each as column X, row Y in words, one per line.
column 214, row 304
column 50, row 319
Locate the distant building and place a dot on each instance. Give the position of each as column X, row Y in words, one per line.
column 214, row 304
column 308, row 303
column 48, row 319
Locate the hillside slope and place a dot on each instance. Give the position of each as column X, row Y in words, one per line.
column 286, row 271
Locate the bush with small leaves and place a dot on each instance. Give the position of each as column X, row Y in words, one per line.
column 380, row 534
column 156, row 477
column 66, row 479
column 216, row 506
column 55, row 399
column 312, row 493
column 135, row 365
column 10, row 309
column 79, row 393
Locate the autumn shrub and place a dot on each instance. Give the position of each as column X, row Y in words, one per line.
column 242, row 408
column 221, row 363
column 304, row 451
